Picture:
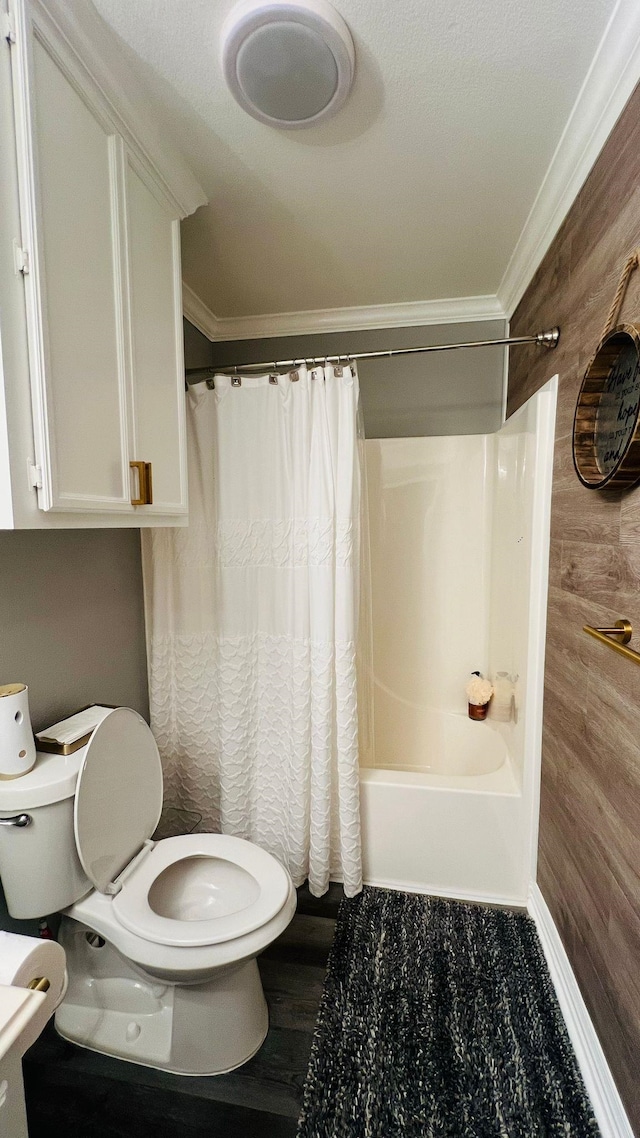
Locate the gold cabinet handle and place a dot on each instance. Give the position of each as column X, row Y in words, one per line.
column 145, row 483
column 139, row 466
column 148, row 484
column 142, row 482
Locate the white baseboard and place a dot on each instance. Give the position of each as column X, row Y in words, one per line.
column 472, row 896
column 601, row 1088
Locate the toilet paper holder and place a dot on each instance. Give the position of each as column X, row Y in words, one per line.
column 39, row 984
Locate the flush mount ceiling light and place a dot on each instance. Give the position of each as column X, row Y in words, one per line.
column 288, row 64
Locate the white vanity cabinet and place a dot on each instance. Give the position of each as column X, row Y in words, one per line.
column 96, row 250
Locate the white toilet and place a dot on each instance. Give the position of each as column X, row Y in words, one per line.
column 161, row 937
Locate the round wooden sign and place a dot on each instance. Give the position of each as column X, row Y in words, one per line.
column 606, row 433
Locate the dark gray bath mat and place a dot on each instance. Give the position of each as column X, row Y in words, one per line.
column 439, row 1019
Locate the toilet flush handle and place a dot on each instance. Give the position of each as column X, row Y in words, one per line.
column 17, row 820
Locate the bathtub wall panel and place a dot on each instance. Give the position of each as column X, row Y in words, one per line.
column 519, row 588
column 511, row 556
column 430, row 502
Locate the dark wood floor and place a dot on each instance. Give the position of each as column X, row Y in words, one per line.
column 79, row 1092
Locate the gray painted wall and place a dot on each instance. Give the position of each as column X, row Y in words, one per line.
column 72, row 620
column 71, row 625
column 197, row 349
column 444, row 393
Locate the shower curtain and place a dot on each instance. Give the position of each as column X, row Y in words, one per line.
column 251, row 618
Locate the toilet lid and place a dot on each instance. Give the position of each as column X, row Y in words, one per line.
column 118, row 796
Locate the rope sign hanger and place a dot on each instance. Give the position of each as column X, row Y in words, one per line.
column 606, row 431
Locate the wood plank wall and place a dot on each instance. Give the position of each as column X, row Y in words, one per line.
column 589, row 864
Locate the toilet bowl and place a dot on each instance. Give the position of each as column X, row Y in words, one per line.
column 161, row 937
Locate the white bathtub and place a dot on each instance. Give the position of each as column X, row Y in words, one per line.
column 452, row 829
column 448, row 743
column 459, row 568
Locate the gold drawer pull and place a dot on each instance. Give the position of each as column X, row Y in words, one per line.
column 145, row 483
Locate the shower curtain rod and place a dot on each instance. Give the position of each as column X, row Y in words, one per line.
column 548, row 339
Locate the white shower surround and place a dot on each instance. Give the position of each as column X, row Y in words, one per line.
column 440, row 813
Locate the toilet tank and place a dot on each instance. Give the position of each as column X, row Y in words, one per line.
column 39, row 864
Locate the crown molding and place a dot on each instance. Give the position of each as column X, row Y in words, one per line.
column 458, row 310
column 609, row 83
column 197, row 313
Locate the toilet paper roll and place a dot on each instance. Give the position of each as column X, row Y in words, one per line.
column 25, row 958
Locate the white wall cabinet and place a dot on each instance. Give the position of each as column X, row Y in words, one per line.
column 95, row 242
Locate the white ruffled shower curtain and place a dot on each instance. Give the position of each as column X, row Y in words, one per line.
column 251, row 618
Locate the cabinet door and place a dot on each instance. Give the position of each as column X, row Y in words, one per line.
column 155, row 299
column 71, row 201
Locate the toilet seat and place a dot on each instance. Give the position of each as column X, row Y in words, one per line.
column 192, row 891
column 240, row 873
column 175, row 963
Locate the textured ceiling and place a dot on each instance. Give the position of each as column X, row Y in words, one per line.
column 420, row 186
